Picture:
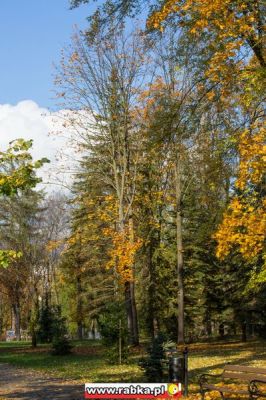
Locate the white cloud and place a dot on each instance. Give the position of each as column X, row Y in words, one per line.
column 29, row 121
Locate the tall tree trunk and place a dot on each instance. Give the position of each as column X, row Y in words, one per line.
column 208, row 322
column 129, row 312
column 1, row 317
column 80, row 330
column 244, row 331
column 129, row 290
column 33, row 338
column 16, row 313
column 34, row 316
column 135, row 329
column 151, row 289
column 221, row 330
column 179, row 248
column 131, row 309
column 79, row 310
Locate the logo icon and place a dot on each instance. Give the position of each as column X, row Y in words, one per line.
column 173, row 390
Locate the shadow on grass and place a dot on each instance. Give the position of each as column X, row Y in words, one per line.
column 49, row 392
column 88, row 361
column 70, row 366
column 252, row 352
column 21, row 384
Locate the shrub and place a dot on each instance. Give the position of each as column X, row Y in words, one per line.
column 112, row 326
column 51, row 324
column 61, row 346
column 52, row 329
column 153, row 364
column 60, row 343
column 45, row 324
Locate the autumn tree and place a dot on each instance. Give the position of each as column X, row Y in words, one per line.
column 85, row 285
column 235, row 36
column 204, row 131
column 20, row 220
column 55, row 229
column 168, row 119
column 17, row 172
column 243, row 226
column 229, row 25
column 234, row 43
column 100, row 79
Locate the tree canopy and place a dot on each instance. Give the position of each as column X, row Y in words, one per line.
column 17, row 173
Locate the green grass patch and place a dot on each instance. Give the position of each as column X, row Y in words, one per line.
column 211, row 358
column 88, row 361
column 13, row 344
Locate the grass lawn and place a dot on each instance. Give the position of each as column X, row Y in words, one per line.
column 211, row 358
column 88, row 362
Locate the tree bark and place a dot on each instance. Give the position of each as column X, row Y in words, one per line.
column 33, row 338
column 244, row 331
column 16, row 313
column 179, row 249
column 34, row 316
column 79, row 310
column 151, row 317
column 80, row 331
column 135, row 329
column 208, row 323
column 130, row 301
column 221, row 330
column 129, row 312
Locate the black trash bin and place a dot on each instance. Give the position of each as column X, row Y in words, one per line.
column 178, row 370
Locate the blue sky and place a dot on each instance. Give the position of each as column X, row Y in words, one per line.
column 32, row 33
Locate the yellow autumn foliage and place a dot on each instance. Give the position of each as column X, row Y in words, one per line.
column 232, row 24
column 122, row 253
column 244, row 222
column 252, row 151
column 216, row 395
column 53, row 245
column 228, row 20
column 243, row 226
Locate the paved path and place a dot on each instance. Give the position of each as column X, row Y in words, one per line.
column 20, row 384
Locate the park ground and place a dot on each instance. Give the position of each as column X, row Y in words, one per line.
column 27, row 373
